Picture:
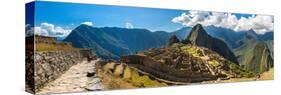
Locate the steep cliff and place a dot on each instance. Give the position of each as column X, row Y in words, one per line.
column 198, row 36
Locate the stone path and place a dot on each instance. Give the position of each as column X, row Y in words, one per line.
column 75, row 80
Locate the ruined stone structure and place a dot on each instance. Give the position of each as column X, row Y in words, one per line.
column 190, row 72
column 184, row 63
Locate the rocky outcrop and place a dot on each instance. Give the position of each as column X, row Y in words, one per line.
column 173, row 39
column 198, row 36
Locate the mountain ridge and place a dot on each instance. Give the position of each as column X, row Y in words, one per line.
column 255, row 55
column 198, row 36
column 112, row 42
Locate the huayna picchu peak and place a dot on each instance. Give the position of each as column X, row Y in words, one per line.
column 198, row 36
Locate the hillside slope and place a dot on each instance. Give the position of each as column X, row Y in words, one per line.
column 255, row 56
column 198, row 36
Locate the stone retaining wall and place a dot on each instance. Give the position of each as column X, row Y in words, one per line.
column 163, row 71
column 49, row 65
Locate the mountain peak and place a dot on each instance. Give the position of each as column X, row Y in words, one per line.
column 250, row 36
column 198, row 28
column 83, row 25
column 173, row 39
column 198, row 36
column 197, row 33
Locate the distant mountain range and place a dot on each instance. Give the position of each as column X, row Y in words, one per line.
column 112, row 42
column 229, row 36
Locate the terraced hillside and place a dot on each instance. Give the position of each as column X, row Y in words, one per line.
column 172, row 65
column 180, row 62
column 116, row 75
column 185, row 63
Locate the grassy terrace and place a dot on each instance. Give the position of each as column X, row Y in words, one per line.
column 191, row 50
column 214, row 63
column 138, row 80
column 54, row 47
column 44, row 43
column 236, row 68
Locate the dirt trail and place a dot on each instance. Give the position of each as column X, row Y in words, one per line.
column 75, row 80
column 269, row 75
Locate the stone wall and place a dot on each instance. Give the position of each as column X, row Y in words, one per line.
column 53, row 59
column 50, row 65
column 163, row 71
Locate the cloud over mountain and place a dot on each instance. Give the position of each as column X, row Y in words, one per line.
column 89, row 23
column 259, row 23
column 129, row 25
column 47, row 29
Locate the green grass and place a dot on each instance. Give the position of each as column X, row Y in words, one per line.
column 191, row 50
column 214, row 63
column 240, row 71
column 143, row 81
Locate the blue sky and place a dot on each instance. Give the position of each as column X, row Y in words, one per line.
column 54, row 18
column 65, row 14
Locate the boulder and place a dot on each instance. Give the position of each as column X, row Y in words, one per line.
column 119, row 70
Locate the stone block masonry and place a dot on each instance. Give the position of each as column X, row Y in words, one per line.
column 49, row 65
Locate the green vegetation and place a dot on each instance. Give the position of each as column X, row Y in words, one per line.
column 240, row 71
column 143, row 81
column 214, row 63
column 191, row 50
column 255, row 56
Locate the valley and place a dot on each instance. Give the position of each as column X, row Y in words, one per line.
column 73, row 47
column 126, row 60
column 189, row 61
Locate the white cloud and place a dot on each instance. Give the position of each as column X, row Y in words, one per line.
column 259, row 23
column 47, row 29
column 129, row 25
column 88, row 23
column 40, row 31
column 29, row 30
